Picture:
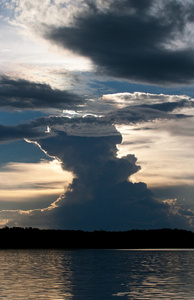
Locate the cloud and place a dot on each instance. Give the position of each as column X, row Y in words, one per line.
column 134, row 115
column 140, row 98
column 50, row 12
column 173, row 106
column 19, row 132
column 159, row 102
column 183, row 128
column 147, row 42
column 23, row 94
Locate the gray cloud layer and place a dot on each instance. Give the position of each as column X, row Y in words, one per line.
column 171, row 106
column 19, row 132
column 91, row 125
column 132, row 40
column 23, row 94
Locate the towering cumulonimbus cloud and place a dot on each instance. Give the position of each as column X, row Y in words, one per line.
column 101, row 195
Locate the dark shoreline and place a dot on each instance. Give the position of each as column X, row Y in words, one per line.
column 34, row 238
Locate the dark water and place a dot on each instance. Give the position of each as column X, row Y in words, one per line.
column 96, row 274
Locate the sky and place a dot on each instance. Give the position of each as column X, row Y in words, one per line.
column 97, row 114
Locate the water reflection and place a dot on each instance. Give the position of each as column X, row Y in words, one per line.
column 96, row 274
column 102, row 274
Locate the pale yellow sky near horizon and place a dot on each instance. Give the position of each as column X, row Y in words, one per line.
column 24, row 182
column 165, row 158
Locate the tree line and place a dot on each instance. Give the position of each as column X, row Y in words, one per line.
column 32, row 238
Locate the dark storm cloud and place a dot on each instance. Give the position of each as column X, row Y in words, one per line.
column 23, row 94
column 133, row 39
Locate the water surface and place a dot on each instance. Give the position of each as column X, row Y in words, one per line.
column 96, row 274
